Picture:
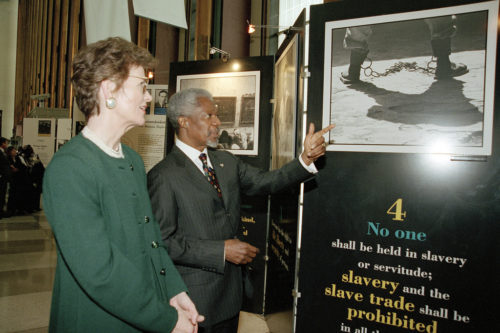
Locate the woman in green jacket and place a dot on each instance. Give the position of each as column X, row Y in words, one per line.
column 113, row 272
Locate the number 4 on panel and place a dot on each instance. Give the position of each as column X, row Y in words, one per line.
column 397, row 210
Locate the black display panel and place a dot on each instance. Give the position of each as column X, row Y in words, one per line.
column 397, row 242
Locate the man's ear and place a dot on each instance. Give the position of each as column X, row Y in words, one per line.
column 183, row 122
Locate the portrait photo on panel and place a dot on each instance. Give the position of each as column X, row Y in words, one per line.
column 160, row 100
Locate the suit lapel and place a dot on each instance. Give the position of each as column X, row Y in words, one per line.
column 193, row 174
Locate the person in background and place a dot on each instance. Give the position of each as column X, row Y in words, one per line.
column 36, row 170
column 5, row 174
column 195, row 194
column 224, row 140
column 19, row 187
column 113, row 273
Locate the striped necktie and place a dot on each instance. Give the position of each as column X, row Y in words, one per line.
column 210, row 173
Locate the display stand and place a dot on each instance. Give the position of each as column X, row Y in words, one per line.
column 401, row 241
column 228, row 84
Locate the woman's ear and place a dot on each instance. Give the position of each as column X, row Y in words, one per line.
column 107, row 89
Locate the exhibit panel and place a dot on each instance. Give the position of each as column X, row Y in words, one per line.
column 149, row 140
column 242, row 90
column 286, row 144
column 40, row 133
column 285, row 105
column 401, row 241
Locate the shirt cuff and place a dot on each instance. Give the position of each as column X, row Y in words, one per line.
column 311, row 168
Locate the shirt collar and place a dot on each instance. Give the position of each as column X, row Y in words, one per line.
column 192, row 153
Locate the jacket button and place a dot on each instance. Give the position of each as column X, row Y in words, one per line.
column 162, row 272
column 155, row 244
column 146, row 219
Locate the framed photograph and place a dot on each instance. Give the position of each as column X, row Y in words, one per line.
column 285, row 106
column 44, row 127
column 236, row 97
column 160, row 99
column 412, row 82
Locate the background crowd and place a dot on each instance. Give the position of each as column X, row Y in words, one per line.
column 21, row 174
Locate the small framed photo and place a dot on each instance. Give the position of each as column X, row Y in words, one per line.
column 160, row 98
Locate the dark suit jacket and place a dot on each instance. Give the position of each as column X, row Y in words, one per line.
column 194, row 222
column 5, row 171
column 5, row 177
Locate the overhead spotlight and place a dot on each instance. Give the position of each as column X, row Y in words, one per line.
column 151, row 75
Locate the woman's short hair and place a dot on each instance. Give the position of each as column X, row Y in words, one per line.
column 109, row 59
column 184, row 103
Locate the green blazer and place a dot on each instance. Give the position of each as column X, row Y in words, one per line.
column 113, row 273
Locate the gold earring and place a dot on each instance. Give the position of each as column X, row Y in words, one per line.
column 111, row 103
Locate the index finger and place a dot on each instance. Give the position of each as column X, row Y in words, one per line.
column 327, row 129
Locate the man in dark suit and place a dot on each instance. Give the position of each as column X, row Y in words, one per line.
column 196, row 200
column 5, row 173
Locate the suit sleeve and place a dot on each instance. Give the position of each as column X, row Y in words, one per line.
column 205, row 254
column 255, row 181
column 74, row 210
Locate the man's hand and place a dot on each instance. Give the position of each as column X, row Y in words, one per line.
column 239, row 252
column 314, row 144
column 188, row 317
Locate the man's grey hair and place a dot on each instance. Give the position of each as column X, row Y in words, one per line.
column 185, row 103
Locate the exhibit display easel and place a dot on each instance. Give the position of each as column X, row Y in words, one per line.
column 399, row 234
column 242, row 93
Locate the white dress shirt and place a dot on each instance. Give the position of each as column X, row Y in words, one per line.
column 193, row 154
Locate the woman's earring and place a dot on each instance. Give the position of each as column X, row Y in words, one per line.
column 111, row 103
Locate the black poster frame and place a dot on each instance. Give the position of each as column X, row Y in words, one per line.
column 453, row 201
column 264, row 64
column 254, row 210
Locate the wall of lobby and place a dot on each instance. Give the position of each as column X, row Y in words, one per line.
column 8, row 37
column 40, row 38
